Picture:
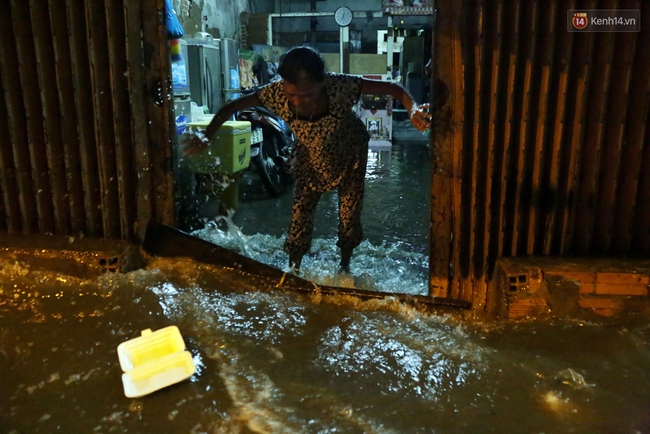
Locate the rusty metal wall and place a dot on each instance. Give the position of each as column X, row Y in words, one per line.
column 85, row 116
column 548, row 152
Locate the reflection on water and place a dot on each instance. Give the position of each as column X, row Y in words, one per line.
column 274, row 362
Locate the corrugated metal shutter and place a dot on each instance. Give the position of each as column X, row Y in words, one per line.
column 549, row 152
column 85, row 115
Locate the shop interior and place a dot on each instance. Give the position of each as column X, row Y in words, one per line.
column 241, row 183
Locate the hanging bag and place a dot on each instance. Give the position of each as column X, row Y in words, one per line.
column 174, row 28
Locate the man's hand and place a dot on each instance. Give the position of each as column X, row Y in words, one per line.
column 420, row 116
column 194, row 142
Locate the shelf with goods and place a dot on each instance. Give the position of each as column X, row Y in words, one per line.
column 407, row 7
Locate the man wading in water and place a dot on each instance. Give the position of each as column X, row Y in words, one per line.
column 332, row 142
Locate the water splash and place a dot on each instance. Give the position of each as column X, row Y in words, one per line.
column 389, row 267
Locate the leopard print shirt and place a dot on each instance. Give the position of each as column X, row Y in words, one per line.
column 328, row 149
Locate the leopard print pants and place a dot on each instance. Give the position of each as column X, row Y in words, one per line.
column 350, row 193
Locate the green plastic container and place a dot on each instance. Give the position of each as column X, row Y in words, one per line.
column 228, row 152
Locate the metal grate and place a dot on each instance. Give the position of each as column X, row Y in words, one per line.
column 111, row 264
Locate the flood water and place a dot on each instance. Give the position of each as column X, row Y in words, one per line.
column 270, row 361
column 276, row 362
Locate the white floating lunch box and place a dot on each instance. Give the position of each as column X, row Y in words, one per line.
column 153, row 361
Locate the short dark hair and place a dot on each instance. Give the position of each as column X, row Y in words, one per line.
column 300, row 64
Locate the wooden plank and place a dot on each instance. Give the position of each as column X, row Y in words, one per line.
column 496, row 150
column 124, row 155
column 16, row 154
column 10, row 205
column 103, row 115
column 500, row 137
column 555, row 176
column 511, row 47
column 457, row 120
column 442, row 163
column 27, row 68
column 470, row 156
column 590, row 157
column 46, row 71
column 633, row 140
column 479, row 171
column 486, row 62
column 521, row 202
column 638, row 133
column 610, row 169
column 641, row 223
column 85, row 132
column 463, row 284
column 3, row 212
column 65, row 100
column 7, row 175
column 539, row 204
column 139, row 130
column 579, row 82
column 159, row 110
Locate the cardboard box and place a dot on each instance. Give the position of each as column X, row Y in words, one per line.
column 363, row 63
column 229, row 150
column 258, row 29
column 360, row 63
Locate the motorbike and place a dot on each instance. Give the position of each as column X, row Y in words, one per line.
column 272, row 141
